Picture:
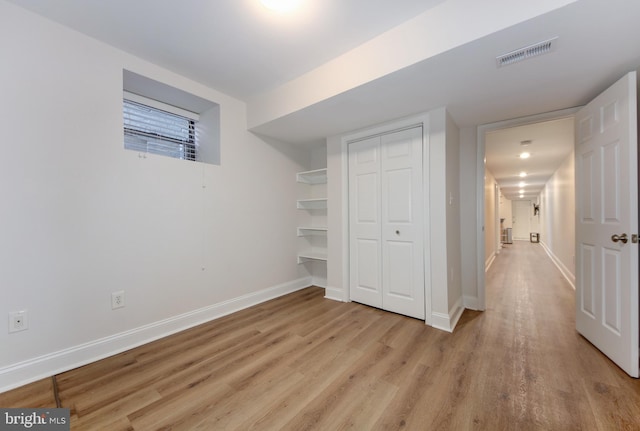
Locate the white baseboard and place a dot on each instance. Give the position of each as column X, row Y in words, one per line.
column 571, row 278
column 448, row 322
column 471, row 302
column 489, row 262
column 334, row 293
column 31, row 370
column 319, row 281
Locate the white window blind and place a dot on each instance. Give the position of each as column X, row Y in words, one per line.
column 151, row 130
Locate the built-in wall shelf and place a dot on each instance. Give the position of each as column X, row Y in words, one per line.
column 306, row 231
column 312, row 230
column 314, row 254
column 312, row 204
column 317, row 176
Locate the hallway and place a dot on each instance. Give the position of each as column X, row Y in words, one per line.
column 559, row 374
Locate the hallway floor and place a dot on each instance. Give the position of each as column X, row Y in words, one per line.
column 559, row 373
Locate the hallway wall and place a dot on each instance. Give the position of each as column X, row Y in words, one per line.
column 469, row 196
column 490, row 246
column 557, row 217
column 506, row 212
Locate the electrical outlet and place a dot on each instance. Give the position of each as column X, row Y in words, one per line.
column 18, row 321
column 117, row 299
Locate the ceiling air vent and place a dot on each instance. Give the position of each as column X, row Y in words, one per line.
column 527, row 52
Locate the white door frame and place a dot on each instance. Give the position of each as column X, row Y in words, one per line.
column 414, row 121
column 496, row 206
column 482, row 131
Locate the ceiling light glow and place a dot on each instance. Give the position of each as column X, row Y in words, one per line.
column 521, row 191
column 521, row 184
column 282, row 6
column 523, row 174
column 525, row 155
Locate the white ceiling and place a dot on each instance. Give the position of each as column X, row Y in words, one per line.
column 551, row 145
column 235, row 46
column 597, row 44
column 592, row 53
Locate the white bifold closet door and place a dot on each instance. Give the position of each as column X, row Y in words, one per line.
column 386, row 251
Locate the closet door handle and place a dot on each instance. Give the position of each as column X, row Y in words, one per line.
column 622, row 238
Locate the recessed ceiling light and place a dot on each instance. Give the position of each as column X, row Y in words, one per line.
column 521, row 191
column 523, row 174
column 521, row 196
column 521, row 184
column 524, row 155
column 282, row 6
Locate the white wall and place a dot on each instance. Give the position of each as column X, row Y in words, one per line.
column 557, row 217
column 506, row 211
column 82, row 217
column 455, row 305
column 490, row 245
column 337, row 241
column 318, row 156
column 468, row 216
column 535, row 219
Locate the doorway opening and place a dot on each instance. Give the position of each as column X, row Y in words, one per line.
column 535, row 195
column 606, row 210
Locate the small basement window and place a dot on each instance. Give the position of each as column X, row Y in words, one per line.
column 151, row 129
column 164, row 120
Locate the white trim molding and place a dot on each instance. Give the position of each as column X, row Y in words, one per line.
column 471, row 302
column 29, row 371
column 489, row 262
column 570, row 277
column 448, row 322
column 334, row 294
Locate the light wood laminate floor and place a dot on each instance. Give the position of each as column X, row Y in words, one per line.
column 302, row 362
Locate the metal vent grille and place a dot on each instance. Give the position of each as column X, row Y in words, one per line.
column 527, row 52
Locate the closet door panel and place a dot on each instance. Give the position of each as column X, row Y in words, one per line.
column 402, row 223
column 365, row 281
column 399, row 196
column 399, row 282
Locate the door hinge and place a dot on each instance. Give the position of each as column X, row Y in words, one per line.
column 634, row 238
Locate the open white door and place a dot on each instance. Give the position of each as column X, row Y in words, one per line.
column 607, row 223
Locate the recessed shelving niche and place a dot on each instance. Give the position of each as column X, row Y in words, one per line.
column 313, row 202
